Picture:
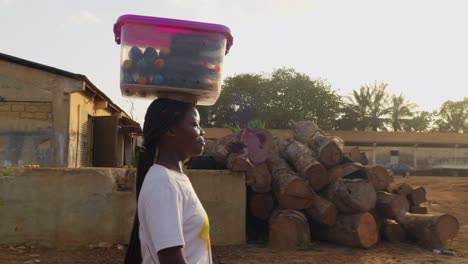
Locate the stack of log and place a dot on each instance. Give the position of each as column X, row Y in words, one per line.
column 307, row 187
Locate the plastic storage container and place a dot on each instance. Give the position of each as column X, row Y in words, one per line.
column 169, row 57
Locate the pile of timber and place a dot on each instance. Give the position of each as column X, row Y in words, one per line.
column 307, row 187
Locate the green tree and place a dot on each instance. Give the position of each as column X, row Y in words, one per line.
column 420, row 122
column 367, row 107
column 275, row 99
column 401, row 111
column 453, row 116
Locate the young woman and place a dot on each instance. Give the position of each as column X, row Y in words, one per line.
column 171, row 225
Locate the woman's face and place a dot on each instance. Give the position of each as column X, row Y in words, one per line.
column 189, row 134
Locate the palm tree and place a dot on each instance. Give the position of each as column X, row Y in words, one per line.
column 358, row 107
column 378, row 106
column 400, row 111
column 369, row 107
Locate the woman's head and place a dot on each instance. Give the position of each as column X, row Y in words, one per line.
column 169, row 126
column 175, row 124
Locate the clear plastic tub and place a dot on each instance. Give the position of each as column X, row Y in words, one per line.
column 163, row 57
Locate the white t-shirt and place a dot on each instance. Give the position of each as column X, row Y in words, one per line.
column 170, row 215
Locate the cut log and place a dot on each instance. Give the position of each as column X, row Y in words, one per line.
column 304, row 131
column 392, row 231
column 305, row 163
column 403, row 189
column 261, row 205
column 417, row 196
column 291, row 191
column 348, row 171
column 238, row 162
column 259, row 178
column 379, row 177
column 289, row 230
column 353, row 154
column 351, row 195
column 391, row 206
column 432, row 231
column 322, row 211
column 378, row 219
column 354, row 230
column 328, row 148
column 220, row 148
column 258, row 143
column 418, row 210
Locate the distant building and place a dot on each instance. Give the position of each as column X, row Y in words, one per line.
column 423, row 151
column 56, row 118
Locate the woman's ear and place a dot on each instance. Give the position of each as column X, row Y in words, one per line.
column 171, row 132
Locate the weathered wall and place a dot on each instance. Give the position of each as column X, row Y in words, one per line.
column 25, row 133
column 62, row 207
column 35, row 116
column 81, row 105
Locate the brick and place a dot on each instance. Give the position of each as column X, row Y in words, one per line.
column 5, row 107
column 31, row 108
column 26, row 115
column 41, row 116
column 17, row 108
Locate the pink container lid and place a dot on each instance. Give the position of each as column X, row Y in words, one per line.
column 185, row 24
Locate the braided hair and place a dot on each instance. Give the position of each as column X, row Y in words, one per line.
column 162, row 114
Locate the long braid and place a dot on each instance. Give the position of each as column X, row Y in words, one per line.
column 162, row 114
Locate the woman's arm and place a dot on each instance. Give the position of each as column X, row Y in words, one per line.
column 172, row 255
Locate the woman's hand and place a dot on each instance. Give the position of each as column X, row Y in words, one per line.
column 172, row 255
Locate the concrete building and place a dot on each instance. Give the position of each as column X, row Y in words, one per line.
column 56, row 118
column 423, row 151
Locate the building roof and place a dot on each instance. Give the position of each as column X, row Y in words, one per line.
column 79, row 77
column 373, row 137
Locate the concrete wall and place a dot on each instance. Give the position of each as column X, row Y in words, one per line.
column 60, row 207
column 35, row 115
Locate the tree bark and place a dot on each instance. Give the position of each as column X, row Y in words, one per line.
column 379, row 177
column 351, row 195
column 328, row 148
column 418, row 210
column 291, row 191
column 238, row 162
column 354, row 230
column 417, row 196
column 403, row 189
column 261, row 205
column 289, row 230
column 432, row 231
column 259, row 178
column 220, row 148
column 391, row 206
column 322, row 211
column 348, row 171
column 305, row 163
column 392, row 231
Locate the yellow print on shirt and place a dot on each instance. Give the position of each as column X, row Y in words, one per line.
column 205, row 231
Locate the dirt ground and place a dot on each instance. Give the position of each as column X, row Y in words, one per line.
column 444, row 194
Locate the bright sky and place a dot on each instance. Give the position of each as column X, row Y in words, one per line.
column 418, row 47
